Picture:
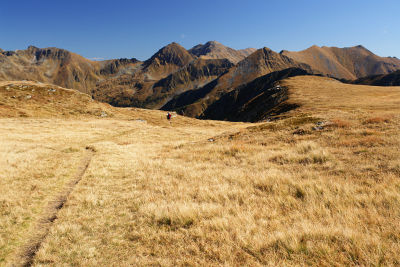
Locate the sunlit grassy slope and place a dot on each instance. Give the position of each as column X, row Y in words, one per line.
column 321, row 186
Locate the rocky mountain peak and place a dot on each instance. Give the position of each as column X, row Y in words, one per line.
column 267, row 50
column 260, row 53
column 214, row 44
column 32, row 48
column 173, row 53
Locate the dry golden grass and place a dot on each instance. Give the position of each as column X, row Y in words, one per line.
column 320, row 94
column 256, row 194
column 377, row 120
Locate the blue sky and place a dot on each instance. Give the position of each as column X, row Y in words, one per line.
column 115, row 29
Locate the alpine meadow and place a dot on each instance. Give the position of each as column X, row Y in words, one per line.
column 199, row 153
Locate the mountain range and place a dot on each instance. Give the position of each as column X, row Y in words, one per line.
column 345, row 63
column 209, row 81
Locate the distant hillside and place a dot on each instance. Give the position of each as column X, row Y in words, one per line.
column 50, row 65
column 216, row 50
column 391, row 79
column 60, row 67
column 194, row 75
column 263, row 61
column 347, row 63
column 26, row 99
column 247, row 51
column 152, row 94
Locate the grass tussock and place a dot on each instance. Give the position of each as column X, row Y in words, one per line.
column 377, row 120
column 340, row 123
column 367, row 141
column 304, row 153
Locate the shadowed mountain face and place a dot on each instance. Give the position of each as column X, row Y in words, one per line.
column 253, row 101
column 202, row 82
column 391, row 79
column 263, row 61
column 345, row 63
column 195, row 75
column 217, row 50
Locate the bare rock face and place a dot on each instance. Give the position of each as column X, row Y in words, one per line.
column 8, row 53
column 56, row 54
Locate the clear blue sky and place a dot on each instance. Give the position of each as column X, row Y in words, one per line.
column 117, row 28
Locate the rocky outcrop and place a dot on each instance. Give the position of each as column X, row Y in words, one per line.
column 52, row 53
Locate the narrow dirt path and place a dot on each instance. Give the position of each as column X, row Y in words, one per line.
column 27, row 252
